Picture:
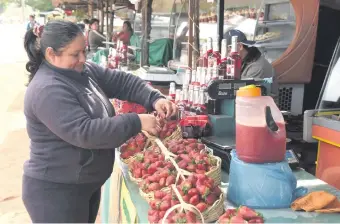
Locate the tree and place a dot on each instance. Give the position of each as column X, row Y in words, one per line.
column 41, row 5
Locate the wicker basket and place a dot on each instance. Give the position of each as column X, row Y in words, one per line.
column 176, row 135
column 214, row 212
column 150, row 196
column 215, row 172
column 132, row 158
column 135, row 180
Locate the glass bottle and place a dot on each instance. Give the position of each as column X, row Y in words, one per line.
column 187, row 77
column 195, row 101
column 201, row 108
column 222, row 71
column 172, row 92
column 235, row 59
column 191, row 96
column 215, row 56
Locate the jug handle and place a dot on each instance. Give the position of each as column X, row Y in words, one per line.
column 271, row 124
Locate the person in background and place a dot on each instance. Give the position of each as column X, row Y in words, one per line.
column 125, row 34
column 254, row 64
column 95, row 38
column 31, row 22
column 72, row 125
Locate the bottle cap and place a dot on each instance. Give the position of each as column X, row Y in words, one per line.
column 249, row 91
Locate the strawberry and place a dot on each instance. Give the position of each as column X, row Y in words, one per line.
column 190, row 217
column 237, row 219
column 159, row 194
column 161, row 214
column 162, row 182
column 182, row 164
column 165, row 205
column 216, row 190
column 194, row 200
column 256, row 220
column 173, row 203
column 191, row 167
column 192, row 192
column 230, row 212
column 247, row 213
column 185, row 157
column 198, row 171
column 210, row 199
column 186, row 186
column 154, row 218
column 154, row 187
column 192, row 179
column 201, row 206
column 186, row 198
column 154, row 204
column 170, row 180
column 223, row 220
column 204, row 190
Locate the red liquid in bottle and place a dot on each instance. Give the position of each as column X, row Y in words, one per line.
column 260, row 144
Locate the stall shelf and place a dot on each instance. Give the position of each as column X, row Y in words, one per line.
column 271, row 215
column 326, row 124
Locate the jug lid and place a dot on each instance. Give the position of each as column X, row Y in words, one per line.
column 249, row 91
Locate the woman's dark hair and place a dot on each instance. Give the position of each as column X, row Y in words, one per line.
column 128, row 24
column 56, row 34
column 253, row 55
column 86, row 21
column 94, row 20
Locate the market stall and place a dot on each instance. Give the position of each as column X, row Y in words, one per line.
column 322, row 125
column 227, row 146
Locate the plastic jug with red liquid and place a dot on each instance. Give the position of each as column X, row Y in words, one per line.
column 260, row 127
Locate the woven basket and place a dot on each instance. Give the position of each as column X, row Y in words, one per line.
column 150, row 196
column 215, row 172
column 135, row 180
column 214, row 212
column 176, row 135
column 130, row 159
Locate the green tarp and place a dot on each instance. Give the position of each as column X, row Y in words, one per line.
column 160, row 51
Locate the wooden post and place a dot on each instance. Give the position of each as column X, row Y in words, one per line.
column 107, row 9
column 146, row 14
column 111, row 19
column 220, row 21
column 90, row 8
column 197, row 32
column 190, row 39
column 102, row 15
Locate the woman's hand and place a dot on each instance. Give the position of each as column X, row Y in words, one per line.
column 150, row 124
column 165, row 108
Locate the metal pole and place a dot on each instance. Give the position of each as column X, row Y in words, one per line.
column 220, row 20
column 197, row 32
column 190, row 39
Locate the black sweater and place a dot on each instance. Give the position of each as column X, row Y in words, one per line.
column 72, row 124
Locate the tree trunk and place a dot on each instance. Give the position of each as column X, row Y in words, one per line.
column 90, row 8
column 147, row 11
column 196, row 31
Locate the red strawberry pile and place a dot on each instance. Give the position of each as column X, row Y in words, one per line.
column 132, row 146
column 196, row 162
column 164, row 201
column 241, row 215
column 123, row 107
column 168, row 127
column 200, row 191
column 184, row 146
column 161, row 178
column 147, row 164
column 191, row 155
